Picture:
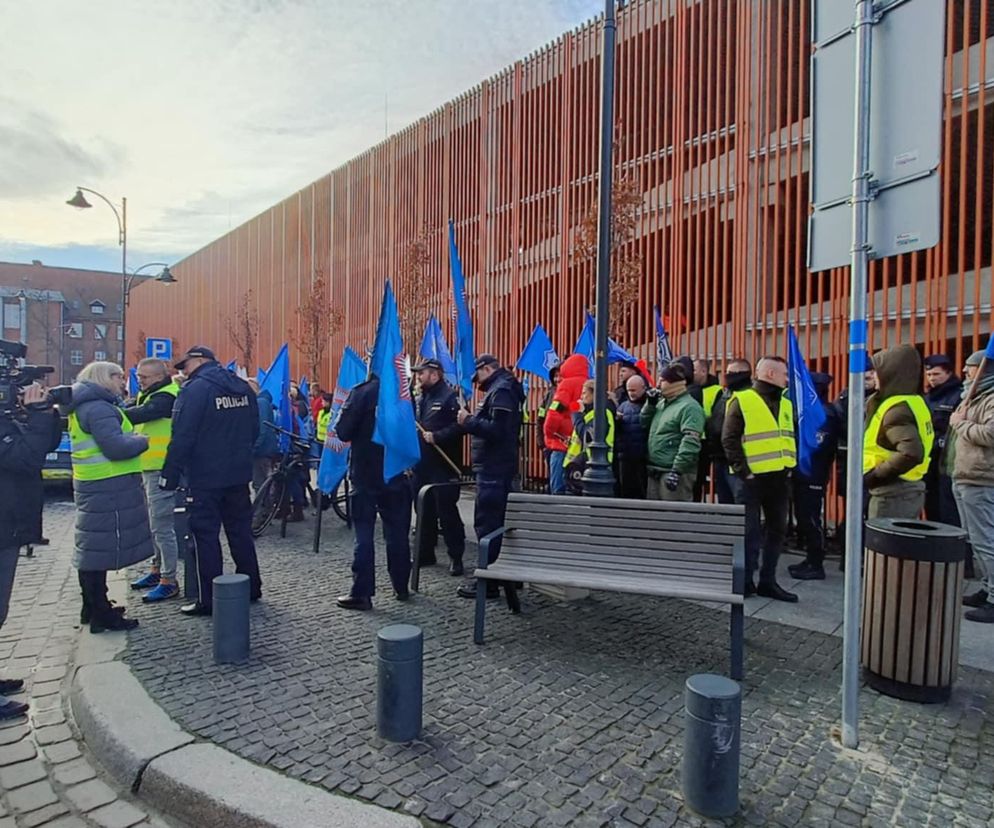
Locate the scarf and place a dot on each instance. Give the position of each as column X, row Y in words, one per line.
column 672, row 390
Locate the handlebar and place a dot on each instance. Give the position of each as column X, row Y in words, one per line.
column 302, row 442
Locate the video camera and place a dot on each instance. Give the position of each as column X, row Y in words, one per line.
column 14, row 375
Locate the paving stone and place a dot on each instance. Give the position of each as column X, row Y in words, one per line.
column 71, row 773
column 52, row 735
column 42, row 816
column 91, row 794
column 13, row 733
column 32, row 797
column 61, row 752
column 68, row 822
column 23, row 773
column 119, row 814
column 17, row 752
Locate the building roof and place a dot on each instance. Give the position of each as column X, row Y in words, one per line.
column 31, row 293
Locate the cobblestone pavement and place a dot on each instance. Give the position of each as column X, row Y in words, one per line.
column 46, row 776
column 571, row 714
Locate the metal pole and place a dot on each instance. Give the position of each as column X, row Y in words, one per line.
column 861, row 196
column 598, row 479
column 124, row 277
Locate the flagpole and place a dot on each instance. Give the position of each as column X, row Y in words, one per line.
column 598, row 479
column 437, row 448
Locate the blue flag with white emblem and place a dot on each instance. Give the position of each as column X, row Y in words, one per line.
column 395, row 428
column 809, row 416
column 586, row 345
column 539, row 356
column 232, row 366
column 434, row 346
column 664, row 356
column 465, row 354
column 335, row 454
column 277, row 383
column 133, row 386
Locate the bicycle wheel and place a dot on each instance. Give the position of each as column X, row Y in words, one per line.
column 267, row 502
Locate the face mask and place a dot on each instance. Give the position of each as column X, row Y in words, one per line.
column 738, row 379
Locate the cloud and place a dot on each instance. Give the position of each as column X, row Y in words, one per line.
column 206, row 113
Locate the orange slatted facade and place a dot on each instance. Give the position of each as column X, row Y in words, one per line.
column 712, row 122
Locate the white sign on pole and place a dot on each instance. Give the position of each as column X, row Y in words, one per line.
column 159, row 348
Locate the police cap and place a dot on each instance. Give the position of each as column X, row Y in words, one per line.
column 197, row 351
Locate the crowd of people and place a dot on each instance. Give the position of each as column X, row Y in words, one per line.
column 686, row 437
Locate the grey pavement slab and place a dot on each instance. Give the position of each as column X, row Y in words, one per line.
column 120, row 722
column 209, row 786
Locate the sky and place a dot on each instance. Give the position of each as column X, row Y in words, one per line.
column 203, row 113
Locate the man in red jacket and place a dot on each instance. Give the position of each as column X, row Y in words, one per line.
column 558, row 425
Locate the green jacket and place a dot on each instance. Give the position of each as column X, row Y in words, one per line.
column 674, row 428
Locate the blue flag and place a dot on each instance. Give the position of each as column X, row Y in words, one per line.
column 539, row 356
column 305, row 390
column 664, row 356
column 232, row 366
column 465, row 354
column 989, row 353
column 277, row 383
column 133, row 386
column 586, row 342
column 809, row 416
column 395, row 427
column 335, row 454
column 434, row 346
column 260, row 377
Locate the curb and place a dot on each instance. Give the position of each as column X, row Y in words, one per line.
column 199, row 783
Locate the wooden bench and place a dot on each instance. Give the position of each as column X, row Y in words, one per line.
column 677, row 550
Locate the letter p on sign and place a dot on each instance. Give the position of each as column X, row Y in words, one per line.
column 159, row 348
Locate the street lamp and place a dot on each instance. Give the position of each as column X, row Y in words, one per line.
column 165, row 277
column 79, row 202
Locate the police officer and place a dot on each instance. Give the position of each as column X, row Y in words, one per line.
column 152, row 415
column 441, row 438
column 943, row 395
column 215, row 424
column 494, row 429
column 370, row 495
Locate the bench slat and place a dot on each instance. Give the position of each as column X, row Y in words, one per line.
column 663, row 550
column 622, row 534
column 557, row 501
column 615, row 561
column 616, row 584
column 619, row 519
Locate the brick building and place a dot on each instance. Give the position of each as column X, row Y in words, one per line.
column 66, row 316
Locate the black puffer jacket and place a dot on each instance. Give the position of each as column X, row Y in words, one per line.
column 495, row 427
column 23, row 446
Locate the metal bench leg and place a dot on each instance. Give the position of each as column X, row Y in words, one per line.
column 737, row 640
column 481, row 609
column 511, row 594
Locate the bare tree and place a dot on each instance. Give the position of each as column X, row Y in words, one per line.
column 243, row 328
column 317, row 322
column 413, row 296
column 626, row 264
column 140, row 349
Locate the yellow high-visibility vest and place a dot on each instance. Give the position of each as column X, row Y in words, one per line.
column 709, row 395
column 159, row 432
column 89, row 463
column 324, row 419
column 768, row 444
column 576, row 445
column 874, row 454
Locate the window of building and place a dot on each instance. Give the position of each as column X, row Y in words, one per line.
column 12, row 315
column 99, row 331
column 100, row 356
column 97, row 307
column 120, row 357
column 75, row 304
column 120, row 333
column 75, row 330
column 119, row 308
column 75, row 357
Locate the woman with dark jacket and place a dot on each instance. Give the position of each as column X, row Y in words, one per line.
column 112, row 529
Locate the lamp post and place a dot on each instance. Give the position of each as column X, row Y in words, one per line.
column 79, row 201
column 598, row 479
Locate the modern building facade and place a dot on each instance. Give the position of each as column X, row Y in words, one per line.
column 712, row 130
column 66, row 316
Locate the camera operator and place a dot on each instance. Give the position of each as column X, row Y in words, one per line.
column 27, row 433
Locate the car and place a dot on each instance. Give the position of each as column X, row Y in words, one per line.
column 58, row 463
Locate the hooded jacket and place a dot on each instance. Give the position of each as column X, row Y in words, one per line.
column 558, row 425
column 215, row 426
column 111, row 515
column 971, row 442
column 899, row 372
column 495, row 427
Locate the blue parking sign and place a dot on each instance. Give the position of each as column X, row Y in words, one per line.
column 159, row 348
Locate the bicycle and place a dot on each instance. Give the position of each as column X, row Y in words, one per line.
column 272, row 497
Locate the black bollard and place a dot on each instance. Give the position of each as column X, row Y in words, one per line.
column 231, row 619
column 711, row 745
column 399, row 691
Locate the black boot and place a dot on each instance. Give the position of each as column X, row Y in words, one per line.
column 116, row 622
column 807, row 571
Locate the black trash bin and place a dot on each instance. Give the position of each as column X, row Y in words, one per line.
column 912, row 590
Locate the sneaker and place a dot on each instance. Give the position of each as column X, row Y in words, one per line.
column 161, row 593
column 12, row 709
column 8, row 686
column 146, row 581
column 467, row 589
column 975, row 599
column 982, row 615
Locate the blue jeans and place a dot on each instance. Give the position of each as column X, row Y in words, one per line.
column 557, row 472
column 393, row 503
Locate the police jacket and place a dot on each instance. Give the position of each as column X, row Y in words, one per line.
column 215, row 425
column 942, row 401
column 495, row 427
column 158, row 405
column 436, row 412
column 23, row 445
column 356, row 422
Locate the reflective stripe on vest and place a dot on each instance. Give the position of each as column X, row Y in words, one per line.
column 874, row 454
column 324, row 418
column 575, row 445
column 709, row 395
column 89, row 463
column 768, row 444
column 159, row 432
